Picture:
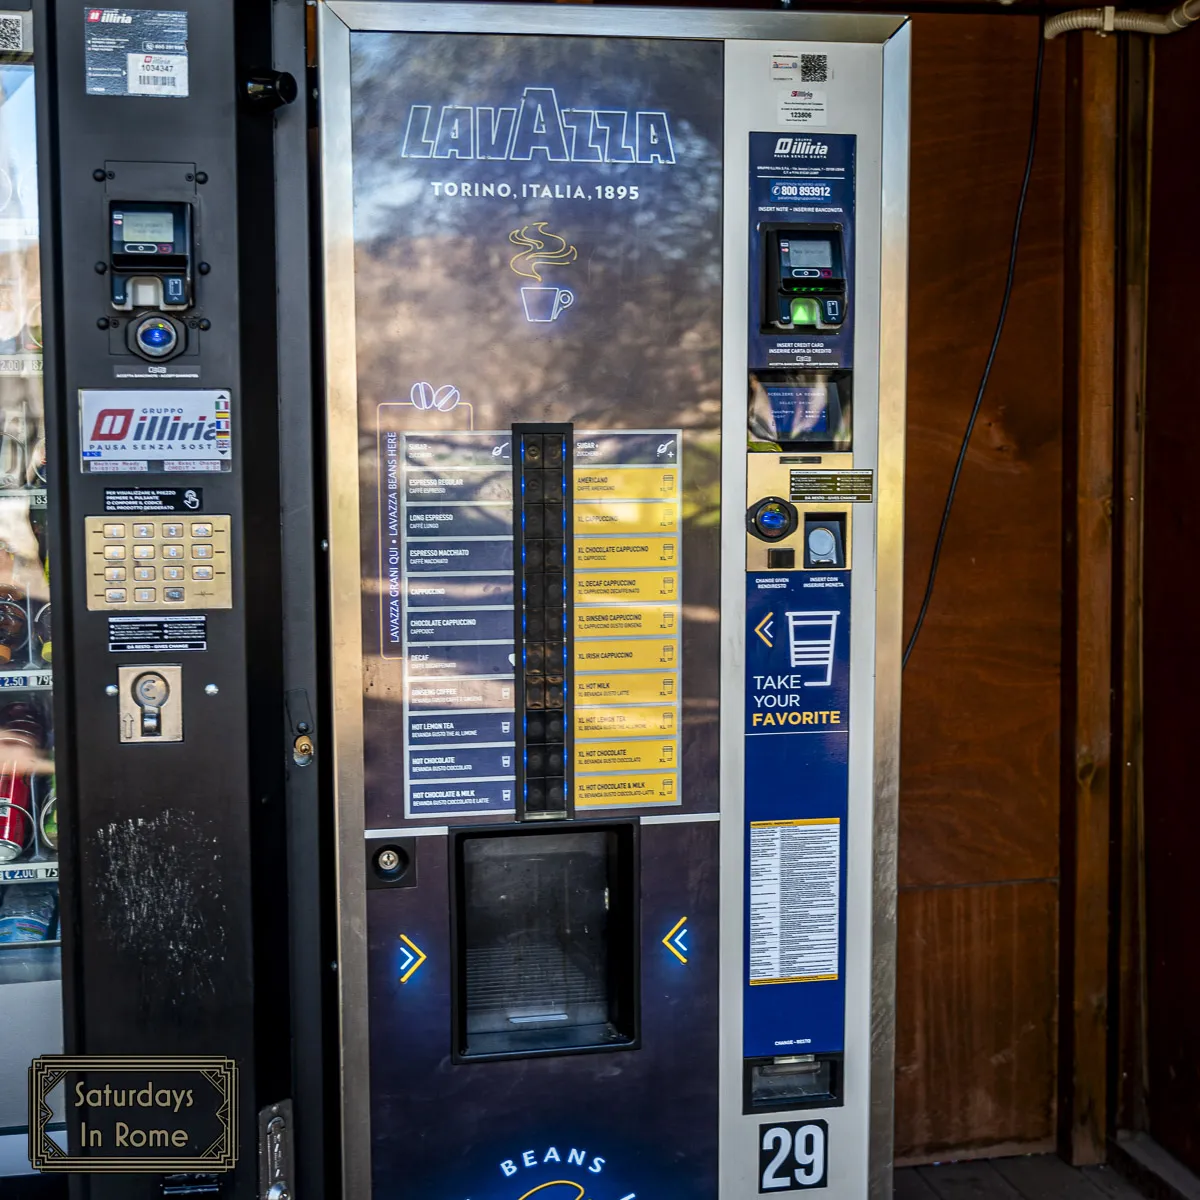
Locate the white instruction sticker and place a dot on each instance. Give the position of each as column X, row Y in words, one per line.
column 785, row 66
column 795, row 895
column 157, row 74
column 801, row 105
column 788, row 66
column 136, row 51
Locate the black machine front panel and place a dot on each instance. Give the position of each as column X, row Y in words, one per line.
column 538, row 402
column 165, row 459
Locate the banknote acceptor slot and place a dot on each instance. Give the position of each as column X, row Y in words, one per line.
column 150, row 274
column 150, row 260
column 546, row 940
column 805, row 277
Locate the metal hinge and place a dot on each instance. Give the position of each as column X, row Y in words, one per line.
column 275, row 1152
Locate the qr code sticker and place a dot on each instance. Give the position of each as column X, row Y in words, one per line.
column 10, row 34
column 814, row 68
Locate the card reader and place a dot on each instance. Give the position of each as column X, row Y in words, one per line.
column 150, row 255
column 805, row 277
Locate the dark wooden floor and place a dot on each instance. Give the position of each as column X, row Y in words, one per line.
column 1037, row 1177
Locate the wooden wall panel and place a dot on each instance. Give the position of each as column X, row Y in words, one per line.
column 979, row 801
column 976, row 1020
column 980, row 763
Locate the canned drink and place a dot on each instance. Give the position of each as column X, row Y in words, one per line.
column 14, row 624
column 14, row 814
column 48, row 822
column 20, row 729
column 41, row 632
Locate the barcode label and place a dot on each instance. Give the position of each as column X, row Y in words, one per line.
column 11, row 37
column 157, row 75
column 814, row 68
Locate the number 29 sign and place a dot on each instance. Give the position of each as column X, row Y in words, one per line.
column 792, row 1156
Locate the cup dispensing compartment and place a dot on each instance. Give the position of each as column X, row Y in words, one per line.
column 546, row 940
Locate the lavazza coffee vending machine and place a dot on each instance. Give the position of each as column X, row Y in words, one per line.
column 463, row 446
column 614, row 321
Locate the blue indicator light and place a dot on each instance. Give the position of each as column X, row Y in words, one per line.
column 772, row 520
column 157, row 335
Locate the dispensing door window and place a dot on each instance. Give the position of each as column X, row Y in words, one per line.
column 546, row 929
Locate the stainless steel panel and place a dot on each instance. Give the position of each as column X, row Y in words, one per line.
column 615, row 22
column 889, row 601
column 341, row 433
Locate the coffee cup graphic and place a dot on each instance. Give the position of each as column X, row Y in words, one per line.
column 545, row 303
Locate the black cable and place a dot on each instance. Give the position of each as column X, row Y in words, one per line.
column 987, row 369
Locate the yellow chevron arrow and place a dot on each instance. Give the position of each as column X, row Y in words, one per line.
column 763, row 629
column 669, row 942
column 415, row 962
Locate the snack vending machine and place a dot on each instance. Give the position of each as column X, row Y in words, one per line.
column 30, row 956
column 139, row 487
column 614, row 349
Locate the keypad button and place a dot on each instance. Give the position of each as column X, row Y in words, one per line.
column 114, row 552
column 202, row 572
column 172, row 531
column 201, row 529
column 143, row 531
column 143, row 574
column 172, row 572
column 114, row 574
column 143, row 552
column 115, row 595
column 114, row 531
column 204, row 550
column 173, row 595
column 144, row 595
column 172, row 552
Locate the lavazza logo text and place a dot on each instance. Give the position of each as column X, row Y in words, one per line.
column 538, row 127
column 109, row 16
column 801, row 148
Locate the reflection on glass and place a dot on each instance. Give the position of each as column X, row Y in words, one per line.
column 30, row 962
column 799, row 409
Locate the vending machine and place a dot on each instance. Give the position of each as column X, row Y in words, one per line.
column 30, row 956
column 613, row 336
column 139, row 492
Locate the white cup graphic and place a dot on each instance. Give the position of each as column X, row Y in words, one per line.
column 545, row 303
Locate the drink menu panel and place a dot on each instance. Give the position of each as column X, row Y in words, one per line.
column 446, row 559
column 446, row 573
column 628, row 585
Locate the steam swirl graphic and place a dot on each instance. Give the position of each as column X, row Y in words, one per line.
column 542, row 249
